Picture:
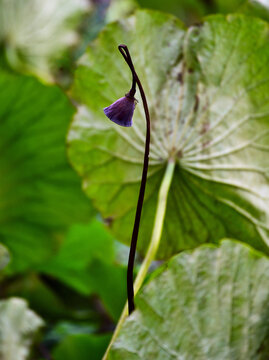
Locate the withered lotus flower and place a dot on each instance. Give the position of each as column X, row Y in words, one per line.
column 121, row 111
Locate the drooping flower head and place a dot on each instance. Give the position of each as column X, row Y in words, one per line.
column 121, row 111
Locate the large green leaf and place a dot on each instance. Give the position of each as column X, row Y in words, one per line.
column 18, row 324
column 212, row 303
column 39, row 193
column 207, row 91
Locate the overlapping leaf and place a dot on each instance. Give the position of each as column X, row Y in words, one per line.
column 39, row 193
column 207, row 91
column 210, row 304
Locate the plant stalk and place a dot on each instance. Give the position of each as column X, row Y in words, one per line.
column 153, row 246
column 130, row 270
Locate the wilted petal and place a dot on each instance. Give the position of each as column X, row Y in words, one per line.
column 121, row 111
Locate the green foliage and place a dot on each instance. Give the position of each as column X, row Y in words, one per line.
column 17, row 326
column 189, row 11
column 259, row 8
column 212, row 303
column 35, row 33
column 81, row 347
column 207, row 90
column 4, row 256
column 119, row 9
column 209, row 113
column 41, row 298
column 193, row 11
column 86, row 261
column 40, row 194
column 227, row 6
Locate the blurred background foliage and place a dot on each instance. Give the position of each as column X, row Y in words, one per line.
column 57, row 257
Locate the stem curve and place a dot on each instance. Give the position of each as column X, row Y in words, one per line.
column 130, row 281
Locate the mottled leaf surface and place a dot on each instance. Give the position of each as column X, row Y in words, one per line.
column 212, row 303
column 18, row 324
column 207, row 91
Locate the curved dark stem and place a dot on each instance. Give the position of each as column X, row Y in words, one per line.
column 130, row 286
column 127, row 57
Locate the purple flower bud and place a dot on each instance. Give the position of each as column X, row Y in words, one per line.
column 121, row 111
